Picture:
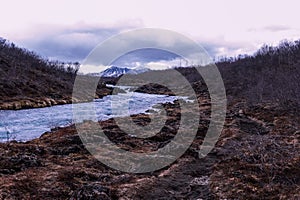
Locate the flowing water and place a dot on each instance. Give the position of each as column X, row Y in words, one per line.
column 27, row 124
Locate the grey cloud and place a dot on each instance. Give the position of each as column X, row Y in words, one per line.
column 148, row 39
column 68, row 44
column 144, row 56
column 75, row 42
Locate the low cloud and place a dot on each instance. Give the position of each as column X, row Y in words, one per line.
column 154, row 59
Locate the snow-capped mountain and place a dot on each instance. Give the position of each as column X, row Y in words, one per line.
column 115, row 71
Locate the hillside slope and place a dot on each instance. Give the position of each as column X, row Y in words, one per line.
column 271, row 75
column 27, row 80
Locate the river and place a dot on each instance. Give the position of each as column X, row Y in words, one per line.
column 27, row 124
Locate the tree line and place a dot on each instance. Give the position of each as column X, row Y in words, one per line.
column 271, row 74
column 11, row 53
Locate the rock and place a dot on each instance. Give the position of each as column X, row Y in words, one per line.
column 17, row 106
column 252, row 127
column 53, row 102
column 48, row 102
column 200, row 181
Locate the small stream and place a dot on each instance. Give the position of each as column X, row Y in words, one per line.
column 27, row 124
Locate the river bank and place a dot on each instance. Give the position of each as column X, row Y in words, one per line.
column 18, row 103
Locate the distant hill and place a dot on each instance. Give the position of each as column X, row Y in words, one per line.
column 27, row 80
column 115, row 71
column 270, row 75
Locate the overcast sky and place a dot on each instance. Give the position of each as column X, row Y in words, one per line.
column 69, row 30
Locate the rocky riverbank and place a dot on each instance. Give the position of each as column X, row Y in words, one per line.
column 33, row 103
column 18, row 103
